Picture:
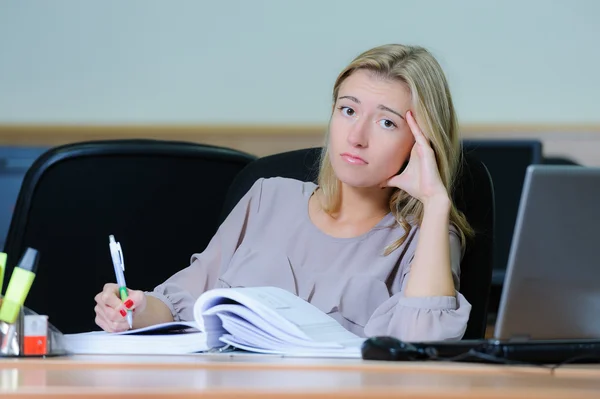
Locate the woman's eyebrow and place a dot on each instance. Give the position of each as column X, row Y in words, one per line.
column 351, row 98
column 380, row 106
column 384, row 108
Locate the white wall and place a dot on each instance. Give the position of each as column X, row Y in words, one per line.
column 263, row 62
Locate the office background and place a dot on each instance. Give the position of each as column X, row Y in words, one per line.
column 257, row 75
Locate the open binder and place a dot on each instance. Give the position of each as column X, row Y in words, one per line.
column 266, row 320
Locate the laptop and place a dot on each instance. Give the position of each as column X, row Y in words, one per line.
column 552, row 284
column 550, row 305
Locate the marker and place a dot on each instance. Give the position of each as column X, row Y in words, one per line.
column 116, row 254
column 18, row 286
column 2, row 267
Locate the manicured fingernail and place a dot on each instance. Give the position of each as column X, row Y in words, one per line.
column 128, row 303
column 123, row 312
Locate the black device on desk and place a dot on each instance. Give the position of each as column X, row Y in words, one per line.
column 551, row 301
column 484, row 351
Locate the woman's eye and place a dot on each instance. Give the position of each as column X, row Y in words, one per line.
column 387, row 124
column 347, row 111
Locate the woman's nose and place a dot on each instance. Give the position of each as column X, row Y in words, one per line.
column 358, row 135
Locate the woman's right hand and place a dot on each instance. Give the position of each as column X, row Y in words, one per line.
column 111, row 312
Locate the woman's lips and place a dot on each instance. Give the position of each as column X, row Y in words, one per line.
column 353, row 159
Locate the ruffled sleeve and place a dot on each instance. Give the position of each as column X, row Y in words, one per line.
column 180, row 291
column 422, row 318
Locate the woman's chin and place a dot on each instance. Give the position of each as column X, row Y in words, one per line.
column 358, row 182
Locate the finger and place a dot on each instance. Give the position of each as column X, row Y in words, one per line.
column 112, row 314
column 120, row 327
column 111, row 287
column 99, row 310
column 110, row 296
column 135, row 298
column 109, row 313
column 99, row 298
column 414, row 152
column 406, row 175
column 104, row 323
column 101, row 304
column 414, row 157
column 100, row 322
column 415, row 129
column 393, row 181
column 111, row 326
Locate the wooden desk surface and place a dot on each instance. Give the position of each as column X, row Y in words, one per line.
column 223, row 376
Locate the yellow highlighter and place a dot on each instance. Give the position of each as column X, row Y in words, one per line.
column 18, row 286
column 2, row 267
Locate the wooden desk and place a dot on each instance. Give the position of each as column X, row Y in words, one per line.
column 222, row 376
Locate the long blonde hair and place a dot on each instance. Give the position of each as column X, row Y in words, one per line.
column 434, row 112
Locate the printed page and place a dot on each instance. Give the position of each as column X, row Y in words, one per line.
column 280, row 309
column 243, row 323
column 351, row 351
column 163, row 328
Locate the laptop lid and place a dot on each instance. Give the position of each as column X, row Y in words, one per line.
column 552, row 284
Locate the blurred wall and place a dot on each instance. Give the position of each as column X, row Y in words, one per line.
column 274, row 61
column 524, row 68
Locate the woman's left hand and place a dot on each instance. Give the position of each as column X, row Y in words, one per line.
column 421, row 178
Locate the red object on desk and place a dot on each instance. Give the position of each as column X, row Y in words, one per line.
column 35, row 337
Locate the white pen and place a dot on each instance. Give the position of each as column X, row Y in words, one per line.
column 116, row 254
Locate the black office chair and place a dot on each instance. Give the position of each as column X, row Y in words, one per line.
column 157, row 197
column 560, row 160
column 507, row 162
column 474, row 195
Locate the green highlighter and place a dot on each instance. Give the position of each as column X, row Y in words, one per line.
column 2, row 267
column 18, row 287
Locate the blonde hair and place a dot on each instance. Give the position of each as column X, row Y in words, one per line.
column 434, row 112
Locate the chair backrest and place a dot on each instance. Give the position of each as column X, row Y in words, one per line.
column 507, row 162
column 161, row 200
column 560, row 160
column 474, row 195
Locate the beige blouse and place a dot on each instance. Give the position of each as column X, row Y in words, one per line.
column 270, row 240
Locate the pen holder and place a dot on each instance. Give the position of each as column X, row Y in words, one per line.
column 30, row 335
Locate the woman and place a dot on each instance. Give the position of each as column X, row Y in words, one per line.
column 376, row 244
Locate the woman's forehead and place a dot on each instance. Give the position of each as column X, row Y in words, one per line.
column 366, row 86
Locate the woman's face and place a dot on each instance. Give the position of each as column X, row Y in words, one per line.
column 369, row 139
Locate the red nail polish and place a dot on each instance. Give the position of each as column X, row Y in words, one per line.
column 128, row 303
column 123, row 312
